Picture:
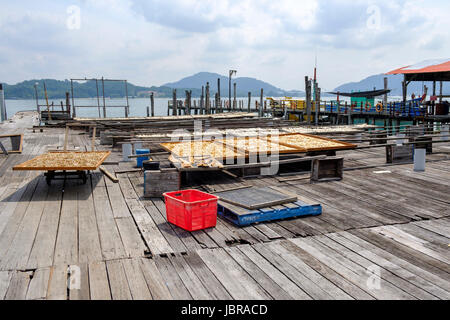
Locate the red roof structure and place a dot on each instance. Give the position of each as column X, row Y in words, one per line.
column 429, row 70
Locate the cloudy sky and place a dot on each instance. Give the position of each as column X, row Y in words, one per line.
column 157, row 41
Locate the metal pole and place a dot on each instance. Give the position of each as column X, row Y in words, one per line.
column 231, row 72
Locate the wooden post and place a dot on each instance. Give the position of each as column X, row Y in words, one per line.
column 3, row 116
column 202, row 97
column 434, row 102
column 174, row 103
column 261, row 101
column 152, row 104
column 208, row 107
column 317, row 104
column 249, row 101
column 66, row 138
column 68, row 103
column 148, row 111
column 94, row 133
column 127, row 108
column 195, row 107
column 189, row 102
column 440, row 91
column 308, row 99
column 218, row 101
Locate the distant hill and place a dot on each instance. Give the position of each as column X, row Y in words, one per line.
column 394, row 83
column 57, row 89
column 243, row 85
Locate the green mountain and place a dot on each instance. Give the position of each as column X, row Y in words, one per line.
column 57, row 89
column 243, row 85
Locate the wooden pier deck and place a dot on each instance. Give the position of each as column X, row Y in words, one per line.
column 110, row 243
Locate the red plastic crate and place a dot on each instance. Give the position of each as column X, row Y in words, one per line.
column 191, row 209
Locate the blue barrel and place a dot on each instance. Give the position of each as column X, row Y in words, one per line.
column 139, row 160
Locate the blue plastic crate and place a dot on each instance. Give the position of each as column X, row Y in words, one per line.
column 243, row 217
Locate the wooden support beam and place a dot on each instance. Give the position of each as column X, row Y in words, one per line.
column 108, row 174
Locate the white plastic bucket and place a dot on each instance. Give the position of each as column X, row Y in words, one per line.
column 419, row 159
column 126, row 151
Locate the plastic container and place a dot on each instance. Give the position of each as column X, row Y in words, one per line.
column 151, row 165
column 191, row 210
column 126, row 151
column 139, row 160
column 419, row 159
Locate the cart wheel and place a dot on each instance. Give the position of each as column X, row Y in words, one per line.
column 84, row 177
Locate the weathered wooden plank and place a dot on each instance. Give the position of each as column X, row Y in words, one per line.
column 136, row 281
column 306, row 284
column 258, row 275
column 385, row 273
column 21, row 245
column 189, row 278
column 392, row 267
column 227, row 271
column 78, row 282
column 310, row 273
column 352, row 272
column 18, row 286
column 132, row 241
column 400, row 261
column 397, row 249
column 414, row 242
column 43, row 247
column 89, row 248
column 156, row 284
column 276, row 275
column 118, row 281
column 98, row 281
column 209, row 280
column 66, row 248
column 5, row 278
column 434, row 227
column 171, row 278
column 38, row 286
column 345, row 285
column 57, row 286
column 110, row 241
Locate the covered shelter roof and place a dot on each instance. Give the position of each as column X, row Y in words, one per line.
column 429, row 70
column 362, row 94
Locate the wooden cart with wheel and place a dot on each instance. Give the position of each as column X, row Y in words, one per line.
column 62, row 165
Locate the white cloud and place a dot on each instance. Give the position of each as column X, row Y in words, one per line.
column 154, row 42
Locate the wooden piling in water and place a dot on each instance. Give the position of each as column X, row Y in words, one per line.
column 174, row 102
column 152, row 104
column 208, row 106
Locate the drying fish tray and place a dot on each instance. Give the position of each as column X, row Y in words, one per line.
column 76, row 161
column 310, row 142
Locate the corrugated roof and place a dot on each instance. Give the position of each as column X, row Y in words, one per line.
column 428, row 66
